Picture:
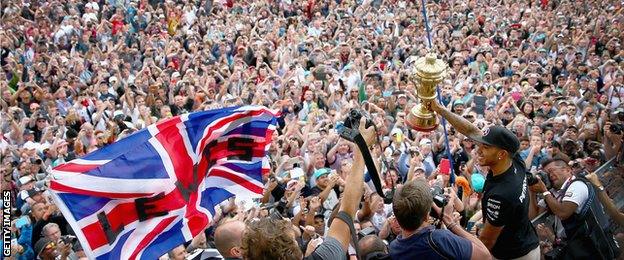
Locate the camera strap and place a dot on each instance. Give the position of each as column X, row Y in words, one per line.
column 370, row 164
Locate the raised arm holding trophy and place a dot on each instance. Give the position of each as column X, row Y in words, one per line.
column 507, row 232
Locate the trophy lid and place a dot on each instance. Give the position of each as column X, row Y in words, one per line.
column 430, row 68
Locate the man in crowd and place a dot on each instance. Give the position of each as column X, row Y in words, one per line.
column 419, row 239
column 573, row 201
column 228, row 238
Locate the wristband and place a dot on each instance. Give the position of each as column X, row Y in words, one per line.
column 451, row 226
column 546, row 193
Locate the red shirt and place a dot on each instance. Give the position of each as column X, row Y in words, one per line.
column 117, row 26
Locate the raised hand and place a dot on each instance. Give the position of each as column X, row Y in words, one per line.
column 315, row 203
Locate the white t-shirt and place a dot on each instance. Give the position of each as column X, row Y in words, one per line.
column 576, row 193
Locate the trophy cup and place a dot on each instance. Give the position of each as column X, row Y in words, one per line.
column 427, row 73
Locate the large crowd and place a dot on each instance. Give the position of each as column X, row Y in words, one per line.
column 78, row 75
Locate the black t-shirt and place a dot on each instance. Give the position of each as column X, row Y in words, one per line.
column 505, row 203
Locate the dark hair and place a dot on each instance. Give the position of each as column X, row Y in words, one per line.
column 412, row 204
column 557, row 160
column 372, row 247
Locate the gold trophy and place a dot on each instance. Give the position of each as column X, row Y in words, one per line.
column 427, row 73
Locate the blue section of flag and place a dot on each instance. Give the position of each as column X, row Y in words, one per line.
column 166, row 241
column 198, row 122
column 252, row 128
column 211, row 197
column 112, row 151
column 253, row 170
column 83, row 205
column 138, row 162
column 115, row 252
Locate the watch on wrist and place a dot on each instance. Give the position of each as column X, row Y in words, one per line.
column 600, row 188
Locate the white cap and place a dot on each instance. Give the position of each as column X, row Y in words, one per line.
column 175, row 74
column 396, row 131
column 25, row 179
column 44, row 146
column 117, row 113
column 425, row 141
column 30, row 145
column 111, row 79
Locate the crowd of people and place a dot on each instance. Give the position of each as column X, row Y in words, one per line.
column 532, row 87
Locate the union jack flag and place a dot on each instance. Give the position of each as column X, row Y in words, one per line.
column 156, row 189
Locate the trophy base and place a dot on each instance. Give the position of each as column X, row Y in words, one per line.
column 422, row 121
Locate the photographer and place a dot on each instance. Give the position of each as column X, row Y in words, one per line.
column 419, row 239
column 577, row 224
column 62, row 244
column 507, row 231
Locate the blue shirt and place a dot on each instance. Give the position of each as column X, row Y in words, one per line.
column 537, row 158
column 417, row 245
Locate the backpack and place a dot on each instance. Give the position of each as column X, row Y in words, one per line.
column 590, row 240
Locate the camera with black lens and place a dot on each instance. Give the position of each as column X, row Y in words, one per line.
column 68, row 239
column 617, row 128
column 533, row 179
column 349, row 129
column 438, row 199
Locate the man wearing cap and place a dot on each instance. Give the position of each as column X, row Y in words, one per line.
column 326, row 188
column 26, row 184
column 458, row 107
column 47, row 249
column 507, row 231
column 427, row 156
column 104, row 93
column 40, row 122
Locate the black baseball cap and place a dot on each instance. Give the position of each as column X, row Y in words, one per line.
column 500, row 137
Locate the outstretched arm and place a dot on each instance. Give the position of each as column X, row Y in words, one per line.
column 461, row 124
column 353, row 192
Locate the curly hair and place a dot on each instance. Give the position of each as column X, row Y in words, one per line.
column 270, row 239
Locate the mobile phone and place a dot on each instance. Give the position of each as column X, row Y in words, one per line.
column 480, row 104
column 470, row 225
column 22, row 221
column 445, row 166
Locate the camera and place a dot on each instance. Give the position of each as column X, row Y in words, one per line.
column 532, row 180
column 617, row 128
column 349, row 129
column 68, row 239
column 438, row 199
column 365, row 232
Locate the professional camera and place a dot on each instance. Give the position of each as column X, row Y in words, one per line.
column 438, row 198
column 532, row 179
column 68, row 239
column 617, row 128
column 349, row 129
